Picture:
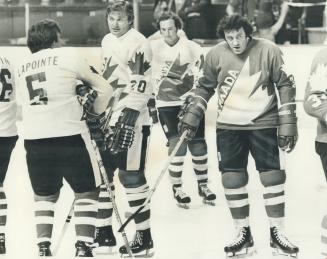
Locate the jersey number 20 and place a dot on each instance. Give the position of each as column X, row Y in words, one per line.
column 6, row 85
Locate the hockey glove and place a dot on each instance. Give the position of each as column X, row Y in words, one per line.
column 98, row 132
column 191, row 115
column 287, row 130
column 86, row 96
column 152, row 110
column 123, row 135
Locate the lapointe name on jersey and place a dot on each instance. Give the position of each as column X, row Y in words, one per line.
column 4, row 61
column 42, row 62
column 226, row 87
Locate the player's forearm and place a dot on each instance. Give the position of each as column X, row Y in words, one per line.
column 204, row 92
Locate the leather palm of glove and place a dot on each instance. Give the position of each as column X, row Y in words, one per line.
column 86, row 96
column 98, row 132
column 190, row 115
column 287, row 136
column 124, row 131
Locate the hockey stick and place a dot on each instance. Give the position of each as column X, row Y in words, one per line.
column 170, row 158
column 64, row 229
column 111, row 194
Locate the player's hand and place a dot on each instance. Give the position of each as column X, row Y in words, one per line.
column 86, row 96
column 124, row 131
column 152, row 110
column 287, row 136
column 98, row 133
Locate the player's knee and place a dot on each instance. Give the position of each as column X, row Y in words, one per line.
column 272, row 177
column 234, row 180
column 131, row 179
column 93, row 195
column 198, row 147
column 172, row 143
column 50, row 198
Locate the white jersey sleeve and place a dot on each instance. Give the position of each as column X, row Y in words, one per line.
column 8, row 106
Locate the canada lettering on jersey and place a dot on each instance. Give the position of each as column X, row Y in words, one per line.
column 4, row 61
column 226, row 87
column 35, row 64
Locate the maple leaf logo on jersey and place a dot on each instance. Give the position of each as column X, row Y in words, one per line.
column 241, row 99
column 177, row 81
column 109, row 69
column 139, row 66
column 318, row 79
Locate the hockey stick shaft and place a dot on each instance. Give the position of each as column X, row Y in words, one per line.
column 111, row 194
column 163, row 171
column 64, row 229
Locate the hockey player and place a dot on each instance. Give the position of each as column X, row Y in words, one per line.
column 175, row 64
column 126, row 56
column 315, row 104
column 8, row 137
column 57, row 142
column 246, row 71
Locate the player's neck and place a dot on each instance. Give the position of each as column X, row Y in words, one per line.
column 171, row 44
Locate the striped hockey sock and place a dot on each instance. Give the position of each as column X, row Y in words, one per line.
column 3, row 210
column 104, row 217
column 175, row 170
column 200, row 166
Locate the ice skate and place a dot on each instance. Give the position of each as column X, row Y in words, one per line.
column 44, row 249
column 281, row 245
column 141, row 246
column 242, row 246
column 208, row 196
column 104, row 240
column 2, row 244
column 83, row 249
column 181, row 197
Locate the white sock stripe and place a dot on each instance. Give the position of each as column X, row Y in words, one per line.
column 146, row 207
column 143, row 225
column 2, row 229
column 238, row 203
column 178, row 159
column 44, row 205
column 137, row 196
column 3, row 212
column 85, row 221
column 175, row 168
column 275, row 200
column 43, row 239
column 104, row 222
column 2, row 189
column 202, row 177
column 91, row 208
column 275, row 188
column 139, row 189
column 199, row 158
column 105, row 194
column 3, row 201
column 104, row 205
column 241, row 190
column 200, row 167
column 44, row 220
column 89, row 201
column 85, row 239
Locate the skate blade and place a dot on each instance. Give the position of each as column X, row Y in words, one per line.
column 104, row 250
column 211, row 203
column 183, row 206
column 278, row 252
column 246, row 252
column 144, row 254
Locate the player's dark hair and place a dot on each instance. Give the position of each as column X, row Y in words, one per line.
column 121, row 6
column 234, row 22
column 170, row 15
column 42, row 35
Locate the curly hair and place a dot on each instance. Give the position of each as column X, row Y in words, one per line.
column 234, row 22
column 121, row 6
column 42, row 35
column 170, row 15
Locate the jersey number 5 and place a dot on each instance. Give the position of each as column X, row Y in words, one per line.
column 39, row 95
column 6, row 85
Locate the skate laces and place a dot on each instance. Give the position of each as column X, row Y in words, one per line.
column 138, row 240
column 240, row 238
column 205, row 190
column 180, row 193
column 281, row 238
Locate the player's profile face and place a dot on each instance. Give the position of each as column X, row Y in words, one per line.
column 118, row 23
column 236, row 40
column 168, row 31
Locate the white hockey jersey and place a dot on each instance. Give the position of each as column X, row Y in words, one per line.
column 175, row 70
column 47, row 83
column 8, row 107
column 126, row 66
